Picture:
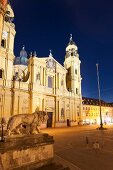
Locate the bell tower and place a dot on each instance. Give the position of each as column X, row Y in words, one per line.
column 72, row 64
column 7, row 35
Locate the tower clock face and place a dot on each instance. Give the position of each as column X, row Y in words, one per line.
column 51, row 63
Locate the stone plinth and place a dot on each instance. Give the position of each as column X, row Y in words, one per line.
column 26, row 152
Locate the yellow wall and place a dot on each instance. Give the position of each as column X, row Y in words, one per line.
column 91, row 113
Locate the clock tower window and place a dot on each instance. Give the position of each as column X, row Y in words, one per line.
column 3, row 43
column 71, row 54
column 76, row 90
column 1, row 73
column 75, row 71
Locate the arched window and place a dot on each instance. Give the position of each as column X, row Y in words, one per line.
column 62, row 113
column 72, row 54
column 38, row 76
column 76, row 90
column 75, row 71
column 1, row 73
column 50, row 82
column 3, row 43
column 7, row 16
column 16, row 75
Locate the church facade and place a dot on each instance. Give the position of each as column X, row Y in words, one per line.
column 30, row 83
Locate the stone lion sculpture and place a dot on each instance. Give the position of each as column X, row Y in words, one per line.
column 30, row 122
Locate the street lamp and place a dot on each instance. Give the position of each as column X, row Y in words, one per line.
column 101, row 124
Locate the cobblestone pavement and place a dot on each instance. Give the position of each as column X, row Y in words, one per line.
column 71, row 149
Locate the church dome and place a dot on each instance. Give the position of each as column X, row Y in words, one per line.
column 22, row 60
column 3, row 2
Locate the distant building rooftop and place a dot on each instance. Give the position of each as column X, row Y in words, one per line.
column 92, row 101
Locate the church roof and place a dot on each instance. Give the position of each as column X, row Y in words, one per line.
column 92, row 101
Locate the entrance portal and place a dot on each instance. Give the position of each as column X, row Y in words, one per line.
column 68, row 122
column 50, row 118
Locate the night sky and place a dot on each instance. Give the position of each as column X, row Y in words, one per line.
column 42, row 25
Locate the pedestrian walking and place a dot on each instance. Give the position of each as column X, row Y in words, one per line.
column 87, row 141
column 96, row 146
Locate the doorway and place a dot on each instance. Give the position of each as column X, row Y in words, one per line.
column 50, row 118
column 68, row 122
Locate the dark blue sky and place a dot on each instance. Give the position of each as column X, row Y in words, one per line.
column 47, row 24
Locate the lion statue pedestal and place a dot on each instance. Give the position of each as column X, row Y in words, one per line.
column 24, row 153
column 23, row 148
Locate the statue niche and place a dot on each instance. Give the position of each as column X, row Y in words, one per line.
column 26, row 123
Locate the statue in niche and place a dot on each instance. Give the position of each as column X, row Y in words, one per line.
column 26, row 123
column 62, row 82
column 62, row 113
column 38, row 76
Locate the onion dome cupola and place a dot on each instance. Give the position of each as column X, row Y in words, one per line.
column 71, row 49
column 22, row 59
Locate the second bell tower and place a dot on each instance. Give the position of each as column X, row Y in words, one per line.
column 72, row 64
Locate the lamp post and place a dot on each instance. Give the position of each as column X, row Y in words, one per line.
column 101, row 124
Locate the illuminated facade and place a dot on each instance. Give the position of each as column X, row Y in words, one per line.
column 29, row 83
column 91, row 111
